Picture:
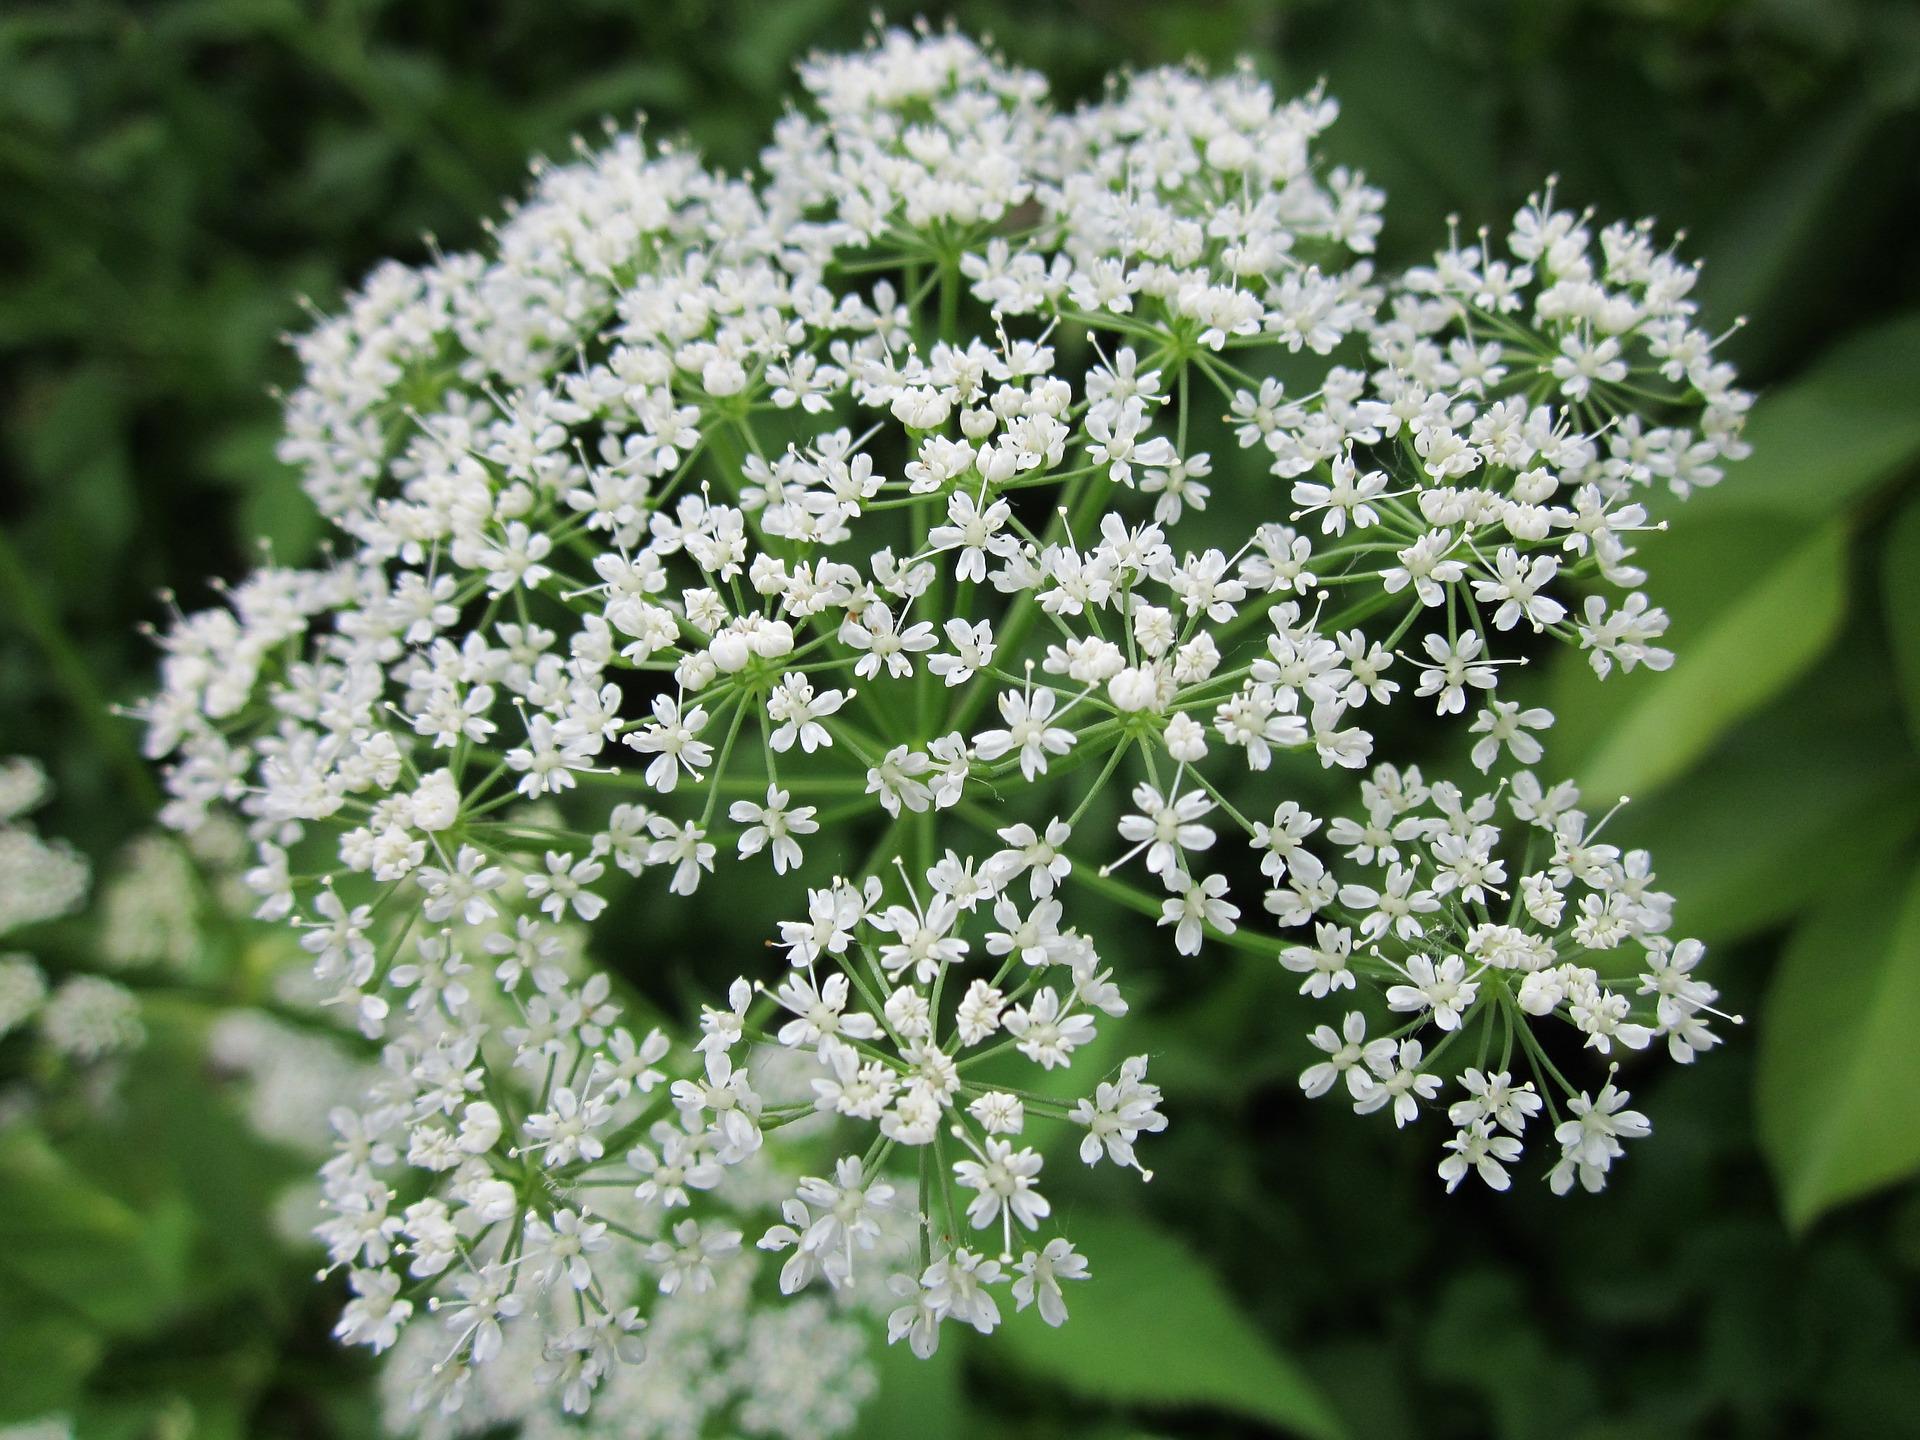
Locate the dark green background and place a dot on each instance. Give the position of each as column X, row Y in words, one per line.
column 174, row 174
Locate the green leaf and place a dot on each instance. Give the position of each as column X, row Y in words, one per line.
column 175, row 1148
column 1900, row 583
column 1154, row 1326
column 1828, row 438
column 44, row 1356
column 1813, row 789
column 1773, row 233
column 1838, row 1086
column 1730, row 662
column 78, row 1247
column 207, row 1398
column 1755, row 595
column 1482, row 1336
column 922, row 1398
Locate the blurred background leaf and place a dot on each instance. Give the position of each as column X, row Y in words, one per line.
column 1154, row 1327
column 1839, row 1083
column 73, row 1245
column 1753, row 606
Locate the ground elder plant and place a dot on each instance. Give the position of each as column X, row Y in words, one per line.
column 987, row 520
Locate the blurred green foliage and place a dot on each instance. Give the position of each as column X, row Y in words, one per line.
column 177, row 172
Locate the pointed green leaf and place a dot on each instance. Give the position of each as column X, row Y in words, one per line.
column 1829, row 437
column 78, row 1247
column 1154, row 1326
column 1782, row 616
column 1753, row 839
column 1838, row 1085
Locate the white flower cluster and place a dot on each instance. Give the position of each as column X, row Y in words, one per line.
column 23, row 986
column 720, row 1362
column 294, row 1077
column 721, row 1358
column 52, row 1427
column 150, row 907
column 79, row 1019
column 40, row 879
column 869, row 508
column 1409, row 904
